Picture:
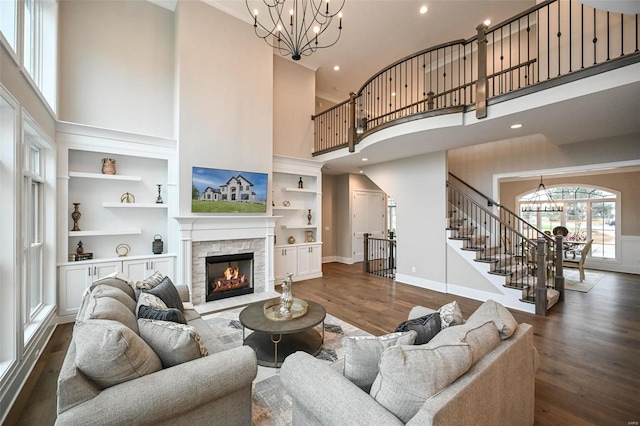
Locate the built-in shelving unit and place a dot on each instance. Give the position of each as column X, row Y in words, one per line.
column 109, row 204
column 297, row 193
column 101, row 176
column 105, row 232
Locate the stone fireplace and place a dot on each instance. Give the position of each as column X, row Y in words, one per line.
column 223, row 236
column 228, row 275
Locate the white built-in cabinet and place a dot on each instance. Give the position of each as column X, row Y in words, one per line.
column 297, row 206
column 120, row 213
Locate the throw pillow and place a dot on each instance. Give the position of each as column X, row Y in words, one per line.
column 108, row 308
column 168, row 293
column 150, row 282
column 168, row 314
column 173, row 343
column 481, row 337
column 409, row 375
column 426, row 327
column 151, row 301
column 501, row 317
column 109, row 353
column 450, row 314
column 115, row 293
column 362, row 354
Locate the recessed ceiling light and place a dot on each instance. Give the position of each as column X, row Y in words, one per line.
column 516, row 126
column 424, row 9
column 365, row 159
column 361, row 171
column 393, row 93
column 336, row 68
column 487, row 22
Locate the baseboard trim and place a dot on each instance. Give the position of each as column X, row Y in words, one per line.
column 422, row 282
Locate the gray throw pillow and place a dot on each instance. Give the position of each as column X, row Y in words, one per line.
column 426, row 327
column 150, row 282
column 168, row 314
column 168, row 293
column 173, row 343
column 362, row 354
column 501, row 317
column 109, row 353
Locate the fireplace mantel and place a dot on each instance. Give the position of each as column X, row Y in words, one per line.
column 218, row 228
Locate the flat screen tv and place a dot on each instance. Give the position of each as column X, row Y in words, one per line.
column 228, row 191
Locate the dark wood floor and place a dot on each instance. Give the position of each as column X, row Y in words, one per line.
column 589, row 346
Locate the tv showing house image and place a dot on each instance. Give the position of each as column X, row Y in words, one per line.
column 228, row 191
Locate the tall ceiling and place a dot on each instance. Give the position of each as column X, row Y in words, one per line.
column 376, row 33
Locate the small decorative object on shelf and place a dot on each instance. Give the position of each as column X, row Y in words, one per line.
column 159, row 199
column 75, row 215
column 123, row 250
column 286, row 203
column 309, row 236
column 273, row 204
column 300, row 183
column 292, row 240
column 127, row 197
column 108, row 166
column 309, row 217
column 157, row 246
column 80, row 248
column 75, row 257
column 286, row 298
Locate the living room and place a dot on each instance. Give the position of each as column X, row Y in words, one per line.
column 149, row 82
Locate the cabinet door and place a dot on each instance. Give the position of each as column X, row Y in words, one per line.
column 73, row 281
column 137, row 269
column 309, row 260
column 285, row 262
column 164, row 265
column 101, row 270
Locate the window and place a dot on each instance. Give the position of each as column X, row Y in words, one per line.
column 8, row 19
column 589, row 214
column 39, row 47
column 391, row 206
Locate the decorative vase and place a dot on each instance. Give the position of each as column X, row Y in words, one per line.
column 108, row 166
column 309, row 217
column 159, row 199
column 75, row 215
column 286, row 298
column 80, row 248
column 300, row 184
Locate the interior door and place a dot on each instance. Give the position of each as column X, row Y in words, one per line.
column 368, row 217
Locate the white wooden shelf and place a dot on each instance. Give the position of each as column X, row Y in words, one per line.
column 309, row 191
column 105, row 233
column 110, row 204
column 298, row 226
column 102, row 176
column 287, row 208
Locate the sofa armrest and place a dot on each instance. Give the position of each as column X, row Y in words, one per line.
column 170, row 393
column 323, row 396
column 183, row 291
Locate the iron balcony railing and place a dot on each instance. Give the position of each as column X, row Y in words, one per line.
column 544, row 44
column 380, row 256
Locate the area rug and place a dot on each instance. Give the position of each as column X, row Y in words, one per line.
column 572, row 280
column 271, row 403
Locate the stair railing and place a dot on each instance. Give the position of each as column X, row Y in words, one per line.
column 528, row 265
column 379, row 256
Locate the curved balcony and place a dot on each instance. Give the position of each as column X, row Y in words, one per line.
column 552, row 43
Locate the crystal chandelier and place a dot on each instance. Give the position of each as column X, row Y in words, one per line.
column 541, row 201
column 297, row 27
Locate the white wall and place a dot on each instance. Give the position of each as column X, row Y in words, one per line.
column 225, row 85
column 418, row 185
column 116, row 65
column 294, row 89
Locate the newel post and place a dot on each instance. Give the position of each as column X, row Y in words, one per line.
column 541, row 278
column 559, row 279
column 352, row 122
column 365, row 264
column 481, row 85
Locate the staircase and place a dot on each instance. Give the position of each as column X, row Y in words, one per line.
column 516, row 255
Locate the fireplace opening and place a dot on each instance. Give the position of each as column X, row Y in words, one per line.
column 229, row 275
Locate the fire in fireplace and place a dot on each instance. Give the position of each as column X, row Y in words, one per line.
column 229, row 275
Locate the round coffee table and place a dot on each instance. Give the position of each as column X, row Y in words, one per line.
column 273, row 340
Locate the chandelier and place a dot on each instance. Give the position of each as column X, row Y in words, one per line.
column 541, row 201
column 297, row 27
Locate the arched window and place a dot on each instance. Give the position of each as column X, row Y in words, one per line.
column 589, row 213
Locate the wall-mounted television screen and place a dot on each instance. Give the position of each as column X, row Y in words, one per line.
column 228, row 191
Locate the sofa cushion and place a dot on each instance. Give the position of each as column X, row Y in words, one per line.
column 109, row 353
column 426, row 327
column 115, row 293
column 150, row 282
column 481, row 338
column 501, row 317
column 168, row 314
column 151, row 301
column 362, row 354
column 109, row 308
column 168, row 293
column 450, row 314
column 409, row 375
column 114, row 282
column 174, row 343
